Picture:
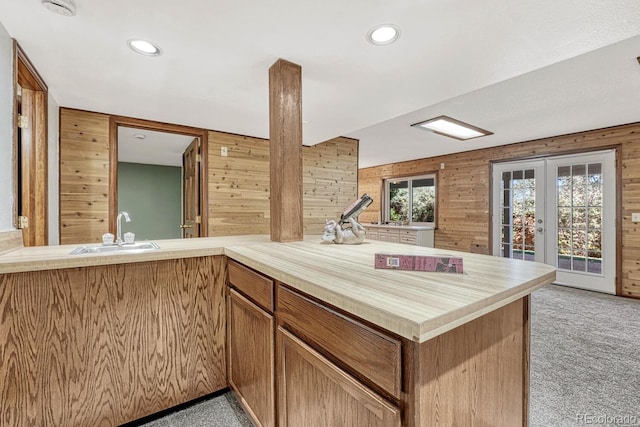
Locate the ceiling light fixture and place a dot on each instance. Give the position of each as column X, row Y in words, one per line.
column 61, row 7
column 383, row 34
column 144, row 47
column 452, row 128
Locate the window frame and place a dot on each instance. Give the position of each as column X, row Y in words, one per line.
column 410, row 179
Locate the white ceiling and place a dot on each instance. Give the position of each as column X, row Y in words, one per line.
column 473, row 60
column 157, row 148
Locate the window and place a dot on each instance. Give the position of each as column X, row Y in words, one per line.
column 411, row 199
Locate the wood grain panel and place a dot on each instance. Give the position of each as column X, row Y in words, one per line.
column 252, row 358
column 330, row 174
column 239, row 183
column 313, row 392
column 106, row 345
column 463, row 216
column 372, row 355
column 475, row 374
column 255, row 286
column 84, row 176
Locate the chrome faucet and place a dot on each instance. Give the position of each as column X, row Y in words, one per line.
column 119, row 222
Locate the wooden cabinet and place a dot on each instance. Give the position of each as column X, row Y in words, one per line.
column 250, row 343
column 315, row 392
column 332, row 368
column 251, row 358
column 330, row 365
column 105, row 345
column 411, row 236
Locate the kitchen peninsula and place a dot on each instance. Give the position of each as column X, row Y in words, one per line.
column 106, row 339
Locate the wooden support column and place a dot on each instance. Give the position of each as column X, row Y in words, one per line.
column 285, row 151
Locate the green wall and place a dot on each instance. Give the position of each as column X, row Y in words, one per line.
column 152, row 196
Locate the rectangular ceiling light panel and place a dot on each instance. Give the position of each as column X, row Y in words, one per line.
column 452, row 128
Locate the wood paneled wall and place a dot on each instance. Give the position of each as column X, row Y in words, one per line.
column 101, row 346
column 464, row 189
column 84, row 176
column 239, row 183
column 330, row 181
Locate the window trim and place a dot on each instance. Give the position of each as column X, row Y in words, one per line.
column 410, row 178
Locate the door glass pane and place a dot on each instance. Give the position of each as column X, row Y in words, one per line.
column 518, row 214
column 579, row 196
column 399, row 200
column 423, row 193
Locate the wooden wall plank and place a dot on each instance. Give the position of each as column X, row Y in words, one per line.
column 84, row 176
column 239, row 183
column 463, row 188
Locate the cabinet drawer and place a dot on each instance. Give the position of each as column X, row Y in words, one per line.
column 255, row 286
column 408, row 239
column 393, row 238
column 373, row 355
column 372, row 235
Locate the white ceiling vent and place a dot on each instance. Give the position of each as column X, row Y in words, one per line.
column 61, row 7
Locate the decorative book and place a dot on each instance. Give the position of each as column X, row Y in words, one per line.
column 437, row 263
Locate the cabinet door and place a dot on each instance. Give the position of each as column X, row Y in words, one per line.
column 313, row 392
column 251, row 358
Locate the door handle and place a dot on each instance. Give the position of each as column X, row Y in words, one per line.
column 539, row 229
column 183, row 226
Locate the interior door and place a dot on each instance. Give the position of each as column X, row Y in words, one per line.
column 30, row 100
column 519, row 210
column 560, row 211
column 191, row 191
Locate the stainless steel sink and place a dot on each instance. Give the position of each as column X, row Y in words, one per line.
column 130, row 248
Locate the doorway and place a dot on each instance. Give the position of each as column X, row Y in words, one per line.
column 560, row 211
column 30, row 151
column 156, row 171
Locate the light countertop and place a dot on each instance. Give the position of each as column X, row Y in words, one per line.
column 37, row 258
column 413, row 304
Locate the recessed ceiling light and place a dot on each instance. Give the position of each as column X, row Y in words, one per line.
column 144, row 47
column 383, row 34
column 452, row 128
column 61, row 7
column 139, row 136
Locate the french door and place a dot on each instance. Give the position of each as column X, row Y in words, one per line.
column 560, row 211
